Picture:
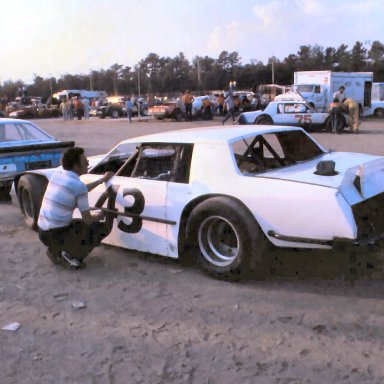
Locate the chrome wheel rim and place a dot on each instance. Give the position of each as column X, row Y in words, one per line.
column 218, row 241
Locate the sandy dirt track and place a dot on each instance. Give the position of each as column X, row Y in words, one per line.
column 317, row 317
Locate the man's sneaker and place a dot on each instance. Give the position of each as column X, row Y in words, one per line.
column 70, row 260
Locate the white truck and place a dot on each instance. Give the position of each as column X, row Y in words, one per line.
column 318, row 87
column 83, row 93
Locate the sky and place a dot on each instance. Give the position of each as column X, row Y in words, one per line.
column 55, row 37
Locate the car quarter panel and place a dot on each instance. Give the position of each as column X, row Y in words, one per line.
column 291, row 208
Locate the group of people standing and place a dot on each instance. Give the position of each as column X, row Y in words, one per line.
column 340, row 104
column 72, row 107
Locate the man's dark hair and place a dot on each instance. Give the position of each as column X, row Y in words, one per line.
column 71, row 157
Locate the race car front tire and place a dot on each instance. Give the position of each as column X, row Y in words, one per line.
column 30, row 191
column 229, row 240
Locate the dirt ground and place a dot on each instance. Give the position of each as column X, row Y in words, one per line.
column 317, row 317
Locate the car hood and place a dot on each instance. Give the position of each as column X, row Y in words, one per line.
column 368, row 168
column 22, row 143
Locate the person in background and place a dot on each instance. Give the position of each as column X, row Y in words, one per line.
column 129, row 106
column 340, row 94
column 69, row 240
column 352, row 108
column 335, row 111
column 79, row 108
column 220, row 101
column 180, row 103
column 64, row 109
column 86, row 108
column 207, row 108
column 188, row 100
column 70, row 108
column 236, row 102
column 230, row 106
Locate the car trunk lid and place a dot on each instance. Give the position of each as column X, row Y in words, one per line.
column 359, row 176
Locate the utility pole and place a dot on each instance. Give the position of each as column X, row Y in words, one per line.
column 138, row 79
column 50, row 83
column 90, row 80
column 198, row 74
column 273, row 72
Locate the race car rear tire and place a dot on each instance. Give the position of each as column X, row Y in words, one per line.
column 229, row 240
column 340, row 123
column 379, row 112
column 30, row 192
column 263, row 120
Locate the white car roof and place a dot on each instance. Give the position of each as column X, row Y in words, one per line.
column 209, row 134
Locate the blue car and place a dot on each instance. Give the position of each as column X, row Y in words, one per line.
column 25, row 147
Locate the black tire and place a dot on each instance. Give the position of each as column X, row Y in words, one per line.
column 177, row 115
column 379, row 112
column 340, row 124
column 228, row 237
column 263, row 120
column 328, row 124
column 30, row 192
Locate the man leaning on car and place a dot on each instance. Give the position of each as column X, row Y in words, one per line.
column 70, row 240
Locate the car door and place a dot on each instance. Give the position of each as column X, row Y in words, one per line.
column 142, row 189
column 286, row 114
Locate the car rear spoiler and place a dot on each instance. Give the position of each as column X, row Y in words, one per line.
column 363, row 181
column 37, row 147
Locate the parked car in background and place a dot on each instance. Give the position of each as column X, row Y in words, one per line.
column 167, row 109
column 115, row 107
column 291, row 113
column 112, row 110
column 24, row 147
column 35, row 112
column 376, row 109
column 198, row 111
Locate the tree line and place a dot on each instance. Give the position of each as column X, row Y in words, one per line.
column 163, row 75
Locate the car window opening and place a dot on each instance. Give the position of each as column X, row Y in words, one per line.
column 166, row 162
column 273, row 150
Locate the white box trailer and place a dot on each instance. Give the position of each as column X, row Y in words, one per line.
column 318, row 87
column 80, row 92
column 358, row 86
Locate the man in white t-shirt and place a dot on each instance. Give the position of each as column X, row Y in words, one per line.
column 340, row 94
column 70, row 240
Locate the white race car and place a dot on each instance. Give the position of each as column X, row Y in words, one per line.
column 292, row 113
column 228, row 192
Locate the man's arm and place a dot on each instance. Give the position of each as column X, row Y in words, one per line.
column 90, row 218
column 94, row 184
